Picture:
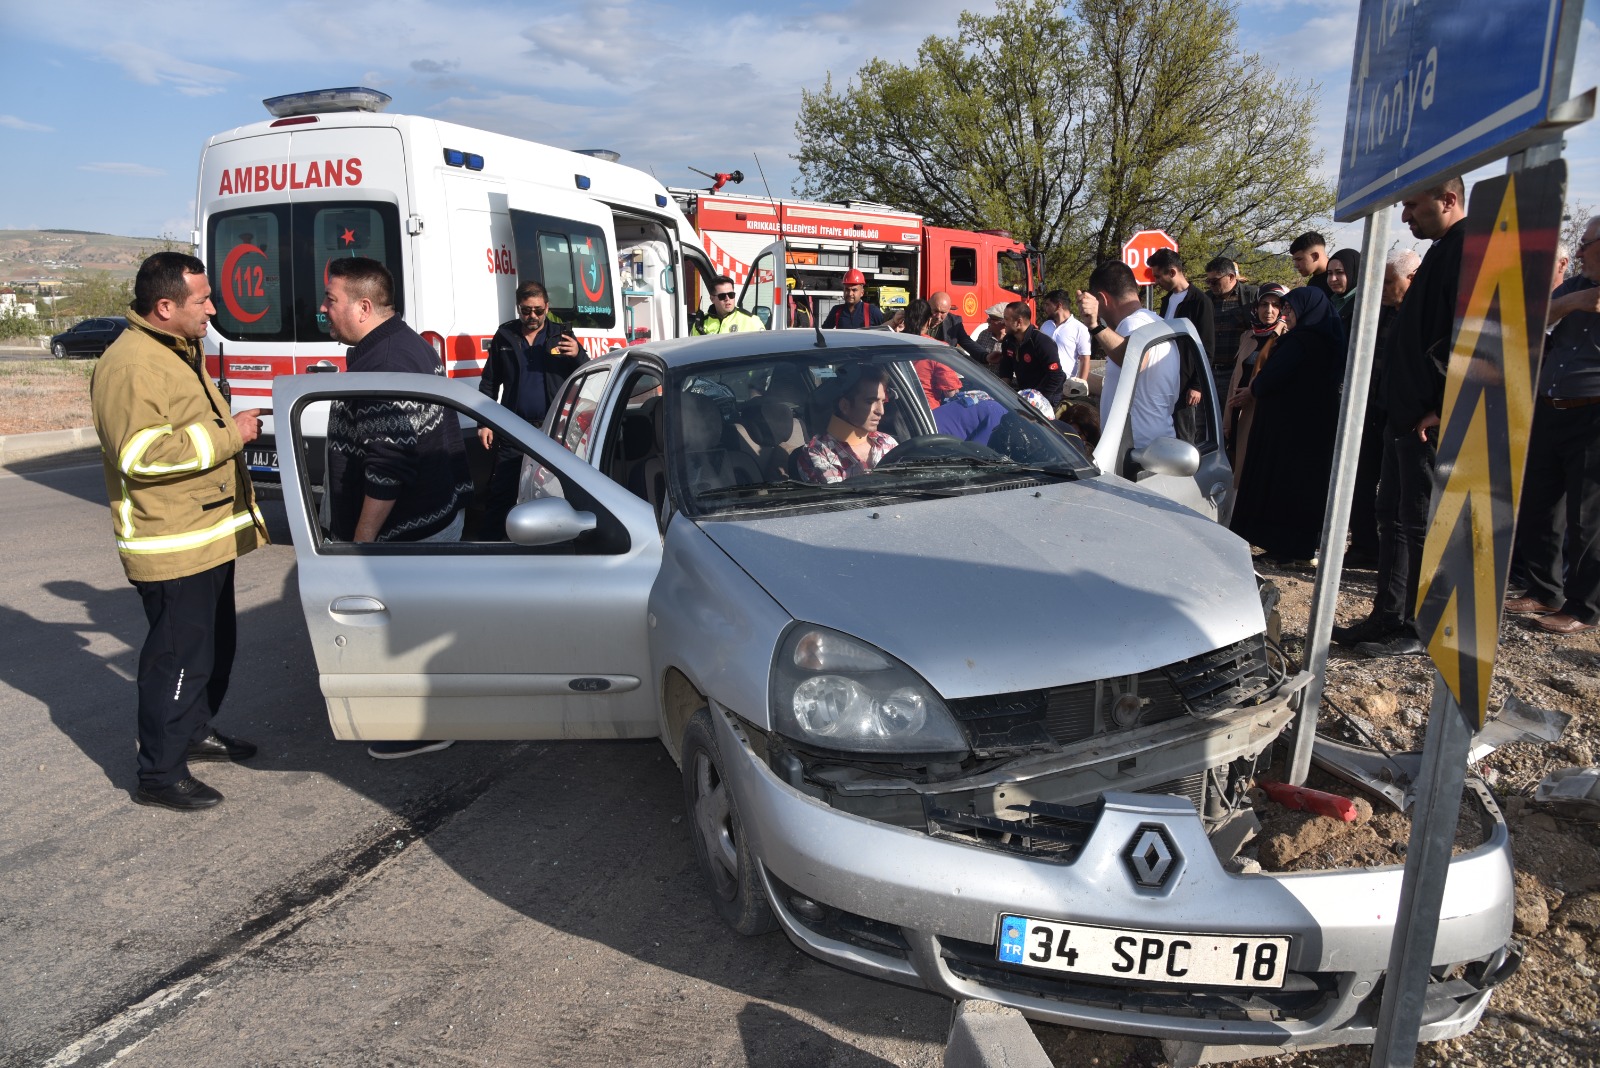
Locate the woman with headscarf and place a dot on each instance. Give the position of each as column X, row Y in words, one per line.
column 1344, row 272
column 1255, row 345
column 1283, row 495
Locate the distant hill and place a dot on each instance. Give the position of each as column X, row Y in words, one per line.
column 57, row 255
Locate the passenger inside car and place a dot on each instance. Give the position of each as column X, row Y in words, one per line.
column 851, row 444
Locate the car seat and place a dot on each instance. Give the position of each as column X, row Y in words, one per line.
column 707, row 463
column 771, row 432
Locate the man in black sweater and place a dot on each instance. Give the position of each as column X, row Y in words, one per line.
column 529, row 358
column 1413, row 395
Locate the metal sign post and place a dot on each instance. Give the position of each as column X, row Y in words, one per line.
column 1507, row 263
column 1330, row 556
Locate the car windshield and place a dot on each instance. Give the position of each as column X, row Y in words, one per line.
column 810, row 426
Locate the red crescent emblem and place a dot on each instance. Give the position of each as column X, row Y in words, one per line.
column 228, row 298
column 600, row 276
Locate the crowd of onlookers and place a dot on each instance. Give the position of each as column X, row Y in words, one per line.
column 1277, row 358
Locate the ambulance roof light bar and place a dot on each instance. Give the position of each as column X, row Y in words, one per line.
column 322, row 101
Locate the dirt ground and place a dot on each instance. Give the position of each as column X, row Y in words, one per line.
column 44, row 395
column 1549, row 1012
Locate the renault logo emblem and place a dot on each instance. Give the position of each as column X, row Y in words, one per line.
column 1152, row 856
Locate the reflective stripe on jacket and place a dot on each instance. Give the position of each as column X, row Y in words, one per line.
column 181, row 500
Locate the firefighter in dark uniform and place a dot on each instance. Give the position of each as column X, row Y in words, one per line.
column 1029, row 359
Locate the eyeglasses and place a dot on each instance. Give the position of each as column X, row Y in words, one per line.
column 530, row 311
column 724, row 296
column 1584, row 245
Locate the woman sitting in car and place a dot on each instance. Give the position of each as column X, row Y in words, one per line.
column 851, row 445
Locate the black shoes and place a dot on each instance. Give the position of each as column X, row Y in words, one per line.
column 1400, row 641
column 216, row 746
column 1363, row 630
column 185, row 795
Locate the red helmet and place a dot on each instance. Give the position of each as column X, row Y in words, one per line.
column 853, row 277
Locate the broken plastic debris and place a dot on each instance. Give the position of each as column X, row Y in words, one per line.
column 1571, row 792
column 1517, row 721
column 1390, row 777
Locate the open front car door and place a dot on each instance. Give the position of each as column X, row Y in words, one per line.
column 541, row 634
column 1185, row 462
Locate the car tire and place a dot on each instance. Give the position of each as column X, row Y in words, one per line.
column 719, row 840
column 58, row 350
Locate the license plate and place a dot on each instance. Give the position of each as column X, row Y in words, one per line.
column 1151, row 956
column 261, row 459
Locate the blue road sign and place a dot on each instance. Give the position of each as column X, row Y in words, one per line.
column 1441, row 86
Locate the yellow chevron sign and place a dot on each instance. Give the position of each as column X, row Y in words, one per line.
column 1506, row 269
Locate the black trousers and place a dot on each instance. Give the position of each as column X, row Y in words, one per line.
column 1364, row 499
column 1561, row 504
column 501, row 495
column 1405, row 488
column 183, row 667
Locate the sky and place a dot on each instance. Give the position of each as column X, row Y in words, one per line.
column 104, row 106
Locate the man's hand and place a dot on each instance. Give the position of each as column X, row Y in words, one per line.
column 486, row 437
column 1191, row 398
column 568, row 345
column 1425, row 424
column 1091, row 308
column 249, row 424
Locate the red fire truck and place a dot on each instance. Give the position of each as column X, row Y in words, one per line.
column 902, row 257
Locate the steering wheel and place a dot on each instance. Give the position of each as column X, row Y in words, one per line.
column 936, row 447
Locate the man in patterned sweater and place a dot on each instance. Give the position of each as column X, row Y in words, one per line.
column 397, row 469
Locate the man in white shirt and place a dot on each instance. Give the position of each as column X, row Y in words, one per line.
column 1071, row 337
column 1111, row 308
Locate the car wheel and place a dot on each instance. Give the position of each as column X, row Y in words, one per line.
column 58, row 350
column 718, row 832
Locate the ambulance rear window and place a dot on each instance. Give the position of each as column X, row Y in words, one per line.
column 573, row 262
column 269, row 264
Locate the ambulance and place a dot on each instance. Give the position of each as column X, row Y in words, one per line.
column 901, row 256
column 458, row 215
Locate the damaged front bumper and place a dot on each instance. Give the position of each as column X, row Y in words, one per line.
column 903, row 905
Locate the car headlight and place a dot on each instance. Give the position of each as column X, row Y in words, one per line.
column 839, row 693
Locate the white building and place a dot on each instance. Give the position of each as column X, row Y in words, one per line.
column 10, row 305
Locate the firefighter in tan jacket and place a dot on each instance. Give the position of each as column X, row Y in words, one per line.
column 183, row 512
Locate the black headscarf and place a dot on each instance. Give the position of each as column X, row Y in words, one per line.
column 1313, row 313
column 1352, row 273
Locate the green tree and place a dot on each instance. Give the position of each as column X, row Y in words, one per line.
column 87, row 293
column 1073, row 127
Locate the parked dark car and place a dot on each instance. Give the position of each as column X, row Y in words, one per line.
column 89, row 338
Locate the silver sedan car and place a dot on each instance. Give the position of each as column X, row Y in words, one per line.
column 955, row 706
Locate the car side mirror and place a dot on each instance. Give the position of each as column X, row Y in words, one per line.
column 547, row 521
column 1168, row 456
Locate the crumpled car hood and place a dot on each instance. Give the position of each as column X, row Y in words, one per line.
column 1017, row 590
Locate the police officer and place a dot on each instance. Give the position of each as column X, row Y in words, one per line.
column 725, row 317
column 854, row 313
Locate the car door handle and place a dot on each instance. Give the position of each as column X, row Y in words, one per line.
column 357, row 606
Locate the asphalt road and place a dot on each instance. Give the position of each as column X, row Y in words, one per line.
column 516, row 904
